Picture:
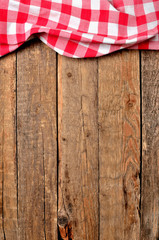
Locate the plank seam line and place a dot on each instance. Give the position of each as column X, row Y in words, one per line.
column 57, row 138
column 16, row 117
column 44, row 188
column 3, row 227
column 140, row 66
column 98, row 150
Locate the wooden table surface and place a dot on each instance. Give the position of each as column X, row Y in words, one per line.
column 79, row 145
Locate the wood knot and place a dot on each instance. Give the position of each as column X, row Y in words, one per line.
column 62, row 220
column 64, row 226
column 130, row 101
column 88, row 134
column 69, row 74
column 130, row 104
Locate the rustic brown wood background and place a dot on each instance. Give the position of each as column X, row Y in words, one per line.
column 79, row 145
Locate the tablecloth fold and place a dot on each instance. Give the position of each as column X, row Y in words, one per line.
column 80, row 28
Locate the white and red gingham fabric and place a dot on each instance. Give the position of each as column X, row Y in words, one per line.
column 80, row 28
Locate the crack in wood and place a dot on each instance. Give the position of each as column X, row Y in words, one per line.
column 44, row 186
column 3, row 227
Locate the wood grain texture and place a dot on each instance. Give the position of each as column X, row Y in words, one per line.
column 36, row 139
column 78, row 148
column 119, row 145
column 93, row 132
column 8, row 171
column 150, row 146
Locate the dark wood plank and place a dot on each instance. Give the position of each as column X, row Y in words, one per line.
column 78, row 148
column 150, row 146
column 36, row 139
column 8, row 170
column 119, row 145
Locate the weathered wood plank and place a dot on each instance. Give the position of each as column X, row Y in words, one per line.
column 8, row 171
column 78, row 148
column 150, row 146
column 119, row 145
column 36, row 139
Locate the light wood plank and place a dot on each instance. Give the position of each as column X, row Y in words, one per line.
column 150, row 146
column 36, row 139
column 119, row 145
column 8, row 170
column 78, row 148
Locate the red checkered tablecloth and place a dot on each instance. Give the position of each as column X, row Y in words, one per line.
column 80, row 28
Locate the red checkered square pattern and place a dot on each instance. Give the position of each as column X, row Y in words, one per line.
column 80, row 28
